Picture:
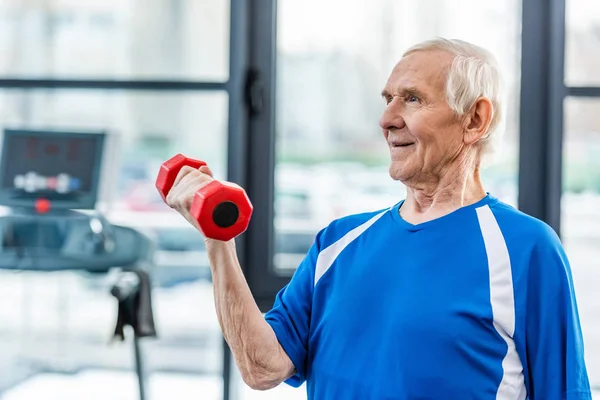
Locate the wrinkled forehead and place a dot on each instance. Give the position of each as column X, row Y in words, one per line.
column 425, row 69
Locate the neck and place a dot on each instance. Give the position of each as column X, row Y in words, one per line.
column 459, row 186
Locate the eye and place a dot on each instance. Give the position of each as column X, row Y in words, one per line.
column 411, row 98
column 388, row 99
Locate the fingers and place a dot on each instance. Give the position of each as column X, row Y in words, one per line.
column 188, row 181
column 205, row 170
column 185, row 170
column 182, row 173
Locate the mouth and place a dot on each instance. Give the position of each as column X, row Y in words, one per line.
column 400, row 145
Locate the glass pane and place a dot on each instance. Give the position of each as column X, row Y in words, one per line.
column 331, row 157
column 55, row 335
column 124, row 39
column 581, row 217
column 582, row 43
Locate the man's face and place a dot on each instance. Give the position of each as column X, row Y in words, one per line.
column 420, row 128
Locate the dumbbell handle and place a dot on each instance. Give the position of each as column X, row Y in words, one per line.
column 166, row 178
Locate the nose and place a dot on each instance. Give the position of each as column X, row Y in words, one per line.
column 391, row 119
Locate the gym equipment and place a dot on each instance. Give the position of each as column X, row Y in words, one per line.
column 55, row 166
column 222, row 209
column 133, row 292
column 45, row 175
column 68, row 240
column 49, row 181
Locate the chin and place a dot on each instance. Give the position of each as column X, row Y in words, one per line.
column 397, row 173
column 404, row 172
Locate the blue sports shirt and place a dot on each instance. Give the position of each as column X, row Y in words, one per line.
column 478, row 304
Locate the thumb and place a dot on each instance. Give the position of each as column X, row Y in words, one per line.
column 205, row 170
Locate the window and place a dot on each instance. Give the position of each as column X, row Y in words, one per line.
column 116, row 39
column 582, row 43
column 581, row 217
column 194, row 123
column 62, row 322
column 331, row 159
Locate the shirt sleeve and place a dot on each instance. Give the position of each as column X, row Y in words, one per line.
column 290, row 315
column 554, row 340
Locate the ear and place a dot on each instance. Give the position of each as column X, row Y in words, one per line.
column 478, row 120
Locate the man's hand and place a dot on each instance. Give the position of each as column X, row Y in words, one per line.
column 188, row 181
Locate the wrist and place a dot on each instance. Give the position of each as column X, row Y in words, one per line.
column 219, row 252
column 215, row 244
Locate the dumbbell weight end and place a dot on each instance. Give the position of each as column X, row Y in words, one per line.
column 222, row 209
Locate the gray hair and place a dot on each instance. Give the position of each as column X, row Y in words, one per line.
column 474, row 73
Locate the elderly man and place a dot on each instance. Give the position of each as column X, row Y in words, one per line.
column 448, row 294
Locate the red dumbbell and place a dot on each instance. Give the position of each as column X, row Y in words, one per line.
column 222, row 209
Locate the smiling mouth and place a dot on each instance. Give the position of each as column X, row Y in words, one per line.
column 400, row 145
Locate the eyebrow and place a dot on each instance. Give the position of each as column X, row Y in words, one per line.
column 405, row 91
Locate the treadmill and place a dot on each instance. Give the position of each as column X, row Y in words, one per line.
column 49, row 182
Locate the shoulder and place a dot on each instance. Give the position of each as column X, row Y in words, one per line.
column 535, row 250
column 533, row 246
column 517, row 226
column 340, row 227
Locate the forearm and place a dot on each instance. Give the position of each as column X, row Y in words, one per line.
column 258, row 354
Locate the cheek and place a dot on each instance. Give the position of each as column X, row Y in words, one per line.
column 422, row 125
column 434, row 145
column 424, row 134
column 431, row 129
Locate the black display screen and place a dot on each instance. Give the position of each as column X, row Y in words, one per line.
column 62, row 167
